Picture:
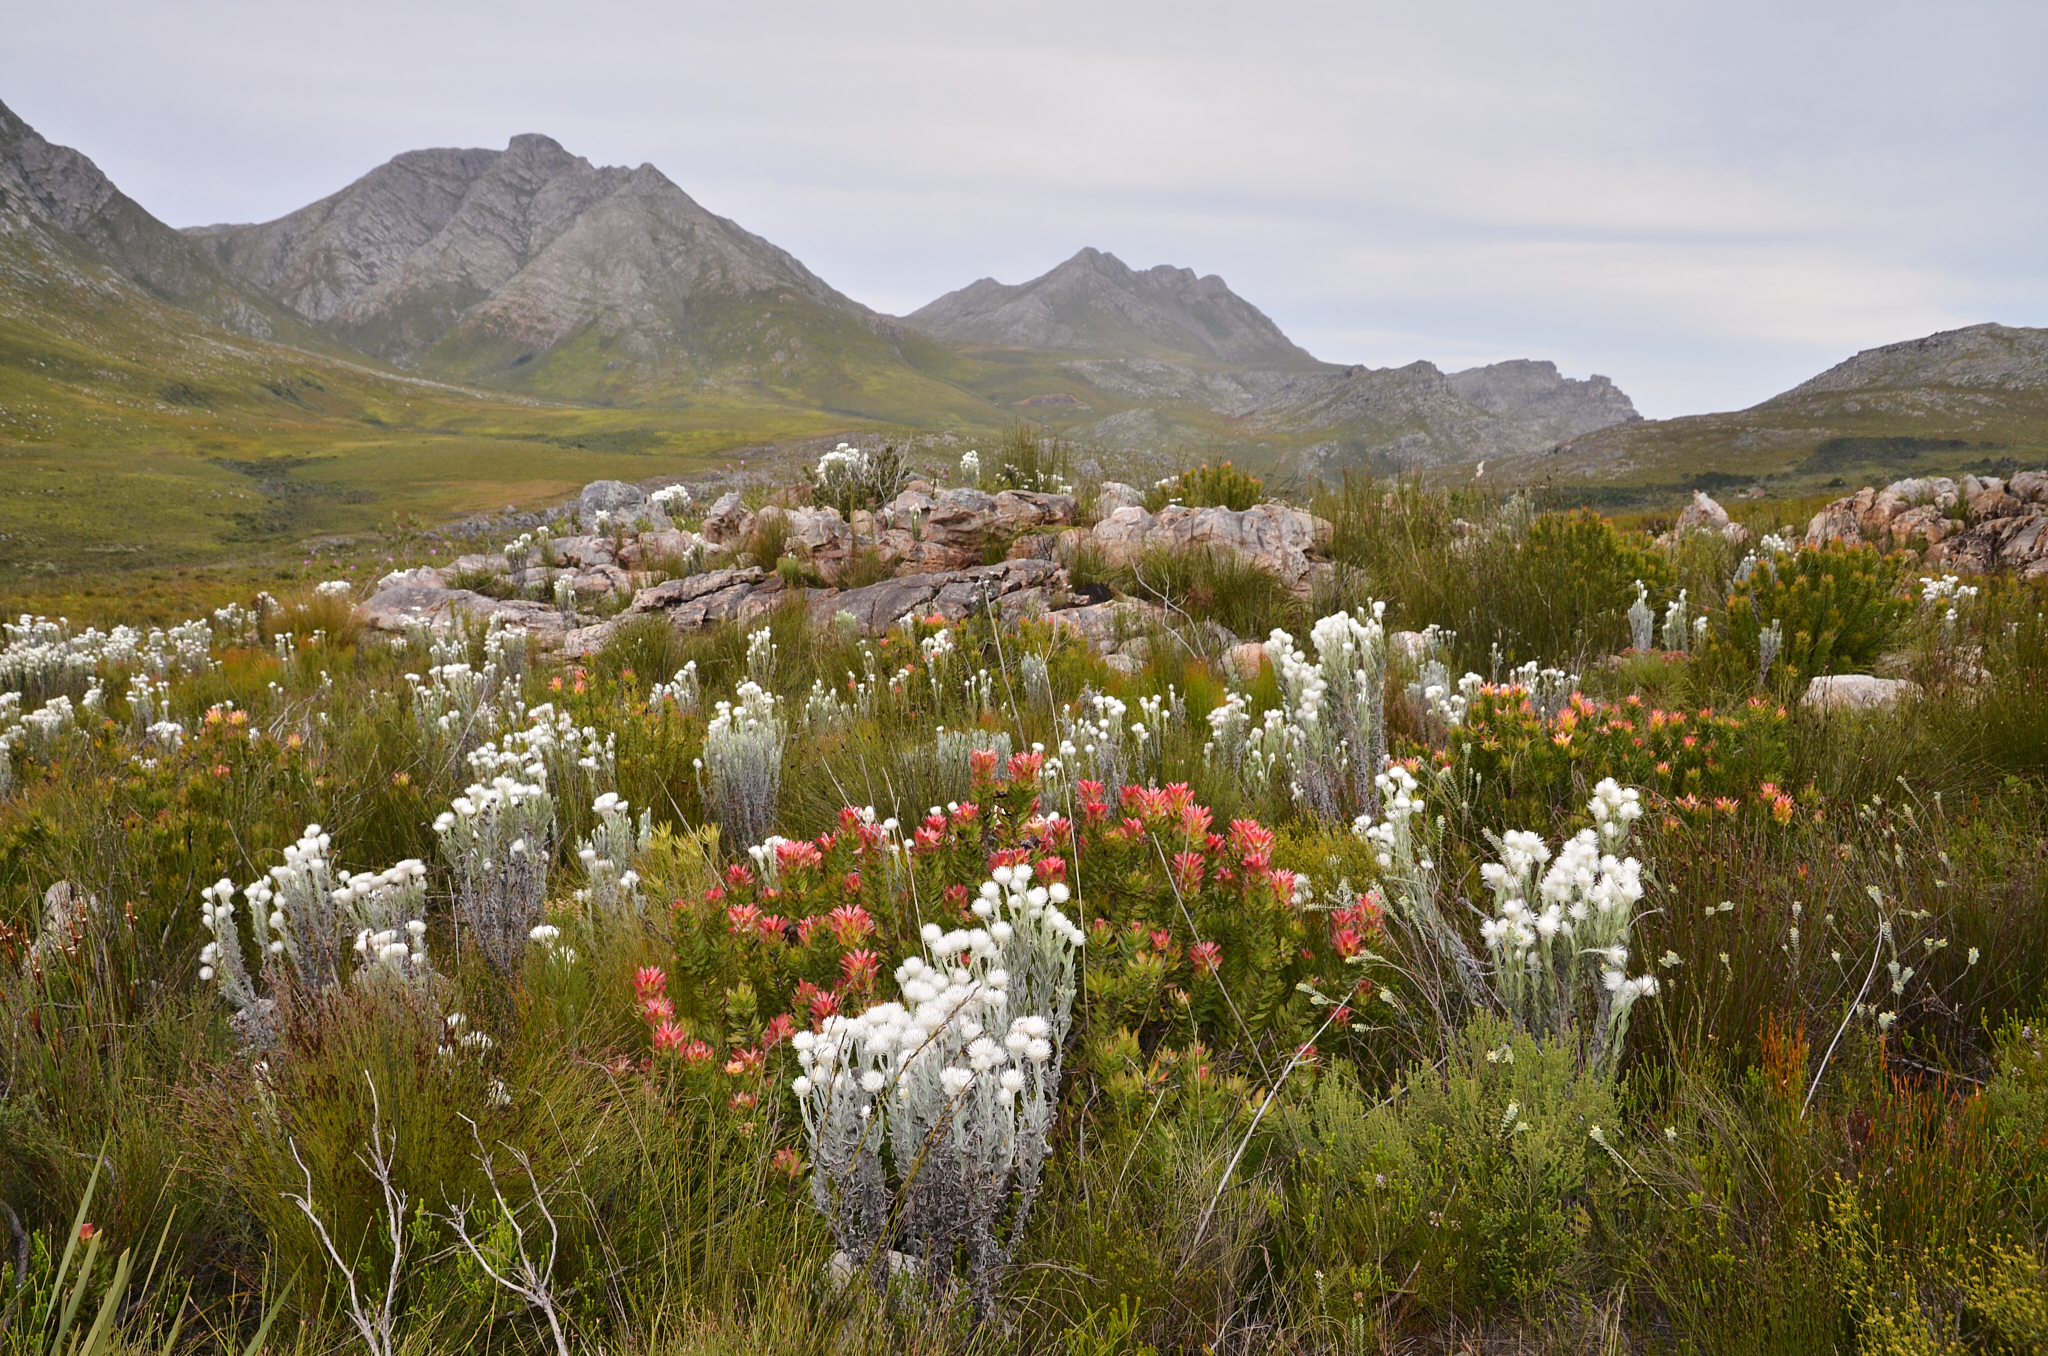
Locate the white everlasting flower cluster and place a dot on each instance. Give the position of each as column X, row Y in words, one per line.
column 824, row 709
column 498, row 839
column 1560, row 942
column 1093, row 739
column 608, row 854
column 742, row 763
column 672, row 500
column 1254, row 753
column 1642, row 621
column 334, row 588
column 683, row 689
column 970, row 468
column 1677, row 631
column 843, row 465
column 945, row 1098
column 761, row 655
column 41, row 656
column 1947, row 592
column 553, row 751
column 304, row 917
column 1336, row 708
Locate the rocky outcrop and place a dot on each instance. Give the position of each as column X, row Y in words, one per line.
column 1018, row 588
column 1855, row 692
column 1278, row 538
column 403, row 603
column 1703, row 514
column 1978, row 526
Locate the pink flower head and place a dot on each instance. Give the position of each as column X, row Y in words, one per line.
column 771, row 927
column 670, row 1039
column 1187, row 871
column 649, row 982
column 779, row 1029
column 1162, row 940
column 1207, row 957
column 1248, row 836
column 1050, row 869
column 1177, row 798
column 1025, row 768
column 798, row 856
column 741, row 917
column 857, row 969
column 656, row 1010
column 981, row 767
column 1195, row 820
column 851, row 924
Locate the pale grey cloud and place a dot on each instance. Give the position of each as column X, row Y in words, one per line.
column 1707, row 203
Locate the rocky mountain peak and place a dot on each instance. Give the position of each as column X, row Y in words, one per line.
column 1094, row 302
column 1533, row 394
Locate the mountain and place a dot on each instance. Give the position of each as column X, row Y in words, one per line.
column 1973, row 398
column 57, row 194
column 1534, row 395
column 533, row 269
column 1096, row 303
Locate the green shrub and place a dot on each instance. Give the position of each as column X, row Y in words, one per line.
column 1209, row 486
column 1837, row 610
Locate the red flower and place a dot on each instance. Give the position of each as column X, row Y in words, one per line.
column 850, row 882
column 741, row 917
column 798, row 856
column 656, row 1010
column 697, row 1052
column 745, row 1062
column 1207, row 957
column 851, row 924
column 649, row 982
column 857, row 969
column 779, row 1029
column 1347, row 942
column 1161, row 939
column 1195, row 821
column 1187, row 871
column 1050, row 869
column 956, row 895
column 1341, row 1017
column 1089, row 790
column 672, row 1039
column 790, row 1163
column 1025, row 768
column 981, row 767
column 713, row 894
column 967, row 813
column 87, row 1232
column 824, row 1003
column 1247, row 836
column 926, row 840
column 771, row 927
column 1144, row 802
column 1008, row 857
column 737, row 874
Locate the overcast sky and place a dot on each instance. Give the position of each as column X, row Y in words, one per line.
column 1707, row 202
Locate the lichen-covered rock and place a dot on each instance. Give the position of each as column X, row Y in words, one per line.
column 402, row 605
column 1704, row 514
column 1115, row 495
column 1019, row 588
column 1855, row 692
column 1277, row 538
column 624, row 502
column 727, row 521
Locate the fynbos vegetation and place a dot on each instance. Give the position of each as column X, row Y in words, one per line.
column 1546, row 938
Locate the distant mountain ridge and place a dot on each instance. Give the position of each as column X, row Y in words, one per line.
column 1976, row 396
column 1096, row 303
